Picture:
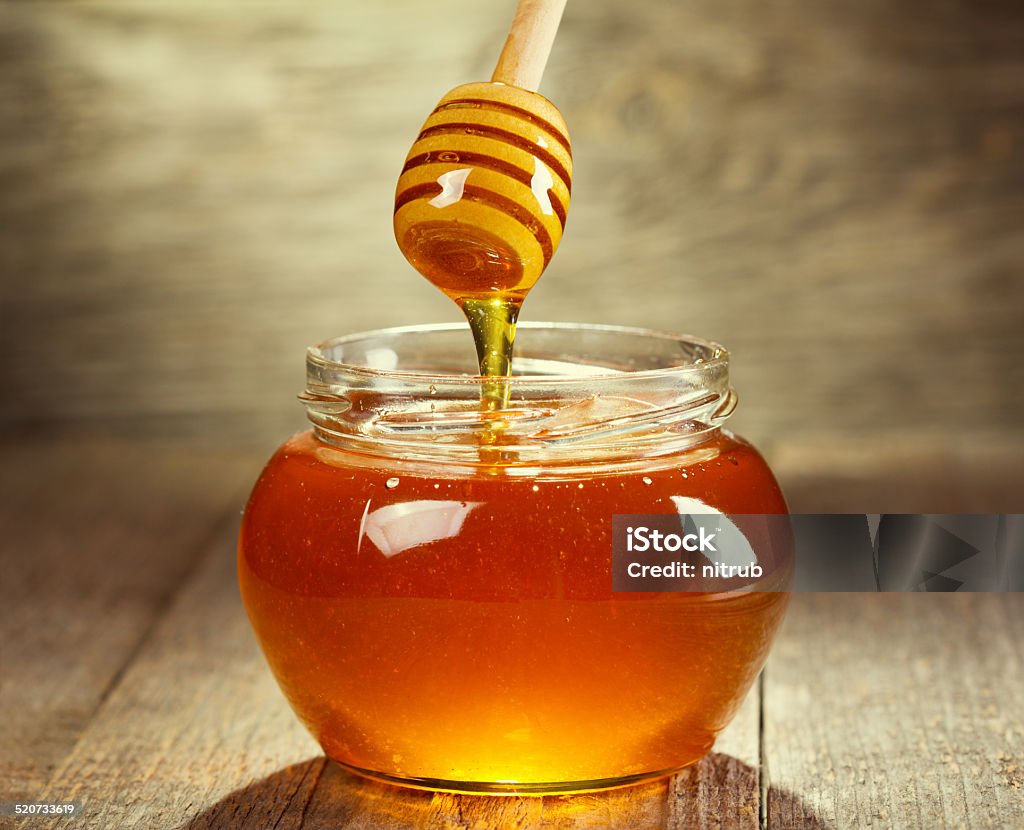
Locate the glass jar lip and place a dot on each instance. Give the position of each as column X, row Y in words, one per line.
column 718, row 355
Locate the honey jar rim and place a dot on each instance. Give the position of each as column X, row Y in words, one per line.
column 633, row 392
column 717, row 356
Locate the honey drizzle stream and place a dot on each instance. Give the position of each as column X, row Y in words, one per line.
column 493, row 323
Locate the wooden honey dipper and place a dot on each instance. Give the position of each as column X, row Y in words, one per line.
column 482, row 199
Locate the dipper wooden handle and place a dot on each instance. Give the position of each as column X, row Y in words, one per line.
column 529, row 42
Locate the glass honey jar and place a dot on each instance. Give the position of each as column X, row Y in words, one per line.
column 431, row 583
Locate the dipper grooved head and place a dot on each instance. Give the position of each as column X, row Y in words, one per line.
column 482, row 199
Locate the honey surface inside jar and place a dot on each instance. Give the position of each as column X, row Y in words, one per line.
column 431, row 629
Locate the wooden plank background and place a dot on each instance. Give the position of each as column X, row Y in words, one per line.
column 190, row 192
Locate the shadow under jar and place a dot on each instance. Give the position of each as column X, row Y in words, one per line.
column 431, row 583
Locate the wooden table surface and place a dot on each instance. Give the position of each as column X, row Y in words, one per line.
column 130, row 680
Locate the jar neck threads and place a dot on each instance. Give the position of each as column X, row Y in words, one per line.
column 581, row 394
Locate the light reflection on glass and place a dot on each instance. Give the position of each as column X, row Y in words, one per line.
column 395, row 528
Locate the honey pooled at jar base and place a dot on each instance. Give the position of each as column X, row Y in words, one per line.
column 491, row 653
column 481, row 206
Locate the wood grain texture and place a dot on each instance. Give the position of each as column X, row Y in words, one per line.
column 908, row 474
column 720, row 792
column 898, row 710
column 93, row 542
column 190, row 195
column 187, row 721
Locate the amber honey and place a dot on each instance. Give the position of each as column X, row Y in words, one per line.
column 456, row 628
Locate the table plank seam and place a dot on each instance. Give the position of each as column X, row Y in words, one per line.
column 762, row 758
column 321, row 767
